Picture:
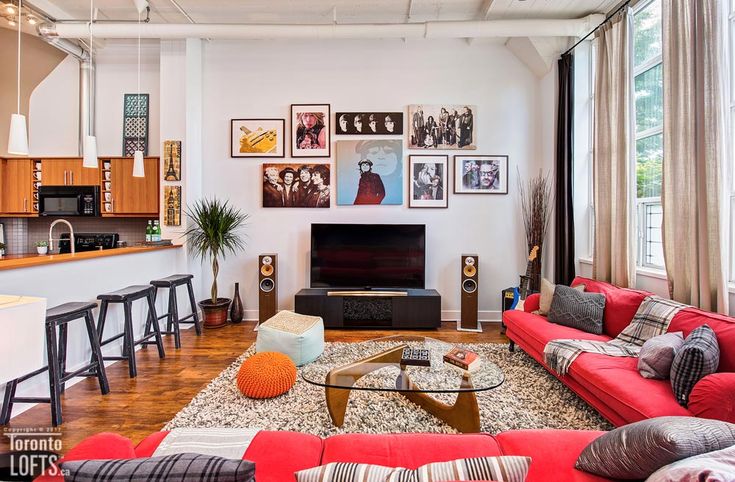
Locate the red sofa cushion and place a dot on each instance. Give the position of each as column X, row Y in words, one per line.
column 532, row 302
column 406, row 449
column 714, row 397
column 621, row 304
column 103, row 445
column 553, row 453
column 616, row 381
column 277, row 455
column 724, row 327
column 539, row 331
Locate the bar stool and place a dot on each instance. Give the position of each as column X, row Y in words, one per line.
column 60, row 316
column 172, row 317
column 126, row 296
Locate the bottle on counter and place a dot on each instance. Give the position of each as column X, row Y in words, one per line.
column 149, row 232
column 156, row 230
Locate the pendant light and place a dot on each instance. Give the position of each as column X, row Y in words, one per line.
column 18, row 138
column 90, row 141
column 138, row 164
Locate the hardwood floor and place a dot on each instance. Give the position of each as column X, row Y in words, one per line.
column 136, row 407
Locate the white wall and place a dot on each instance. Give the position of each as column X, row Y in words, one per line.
column 261, row 79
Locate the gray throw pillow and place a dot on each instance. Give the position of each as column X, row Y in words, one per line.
column 657, row 355
column 717, row 466
column 697, row 358
column 583, row 311
column 171, row 467
column 637, row 450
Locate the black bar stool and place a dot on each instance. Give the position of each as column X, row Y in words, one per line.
column 60, row 316
column 126, row 296
column 173, row 320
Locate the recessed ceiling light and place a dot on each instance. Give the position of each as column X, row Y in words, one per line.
column 11, row 22
column 32, row 19
column 10, row 8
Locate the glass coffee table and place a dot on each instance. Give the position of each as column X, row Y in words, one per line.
column 383, row 371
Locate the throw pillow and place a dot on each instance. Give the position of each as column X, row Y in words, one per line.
column 547, row 294
column 717, row 466
column 583, row 311
column 657, row 355
column 637, row 450
column 506, row 468
column 170, row 467
column 697, row 358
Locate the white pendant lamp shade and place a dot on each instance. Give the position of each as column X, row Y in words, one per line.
column 138, row 167
column 18, row 138
column 90, row 152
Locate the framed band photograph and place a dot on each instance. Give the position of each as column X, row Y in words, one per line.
column 427, row 187
column 481, row 174
column 310, row 130
column 369, row 123
column 257, row 138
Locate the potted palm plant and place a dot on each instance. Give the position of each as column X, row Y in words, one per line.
column 215, row 230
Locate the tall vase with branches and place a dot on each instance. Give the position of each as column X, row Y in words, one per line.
column 536, row 208
column 215, row 230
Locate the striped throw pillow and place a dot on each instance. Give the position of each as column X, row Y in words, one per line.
column 506, row 469
column 171, row 467
column 698, row 357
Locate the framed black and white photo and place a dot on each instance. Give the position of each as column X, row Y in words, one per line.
column 310, row 130
column 428, row 177
column 481, row 174
column 368, row 123
column 257, row 138
column 442, row 126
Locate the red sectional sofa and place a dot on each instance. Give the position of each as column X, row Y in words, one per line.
column 277, row 455
column 612, row 385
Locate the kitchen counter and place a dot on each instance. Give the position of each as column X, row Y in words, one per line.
column 15, row 261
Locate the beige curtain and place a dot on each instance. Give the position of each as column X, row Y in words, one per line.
column 693, row 153
column 613, row 259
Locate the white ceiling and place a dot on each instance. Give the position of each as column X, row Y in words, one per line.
column 323, row 11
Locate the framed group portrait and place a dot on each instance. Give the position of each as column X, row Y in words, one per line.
column 427, row 186
column 290, row 185
column 310, row 130
column 481, row 174
column 368, row 123
column 442, row 126
column 257, row 137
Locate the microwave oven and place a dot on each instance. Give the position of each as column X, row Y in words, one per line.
column 69, row 201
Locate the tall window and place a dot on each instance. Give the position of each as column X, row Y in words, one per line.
column 731, row 154
column 648, row 118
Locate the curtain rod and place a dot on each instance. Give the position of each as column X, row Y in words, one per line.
column 607, row 19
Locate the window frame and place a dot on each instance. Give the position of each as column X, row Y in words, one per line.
column 641, row 203
column 730, row 155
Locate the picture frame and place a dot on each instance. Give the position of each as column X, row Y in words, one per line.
column 311, row 130
column 296, row 185
column 442, row 127
column 481, row 174
column 368, row 123
column 172, row 160
column 257, row 138
column 172, row 200
column 370, row 172
column 428, row 177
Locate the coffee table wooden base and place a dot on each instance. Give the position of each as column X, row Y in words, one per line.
column 464, row 414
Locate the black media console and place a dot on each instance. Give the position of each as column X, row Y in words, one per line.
column 413, row 309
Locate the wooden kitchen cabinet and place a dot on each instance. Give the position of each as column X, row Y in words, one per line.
column 130, row 196
column 68, row 172
column 17, row 187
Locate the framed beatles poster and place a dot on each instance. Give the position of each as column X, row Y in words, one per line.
column 481, row 174
column 310, row 130
column 369, row 123
column 427, row 186
column 370, row 172
column 257, row 137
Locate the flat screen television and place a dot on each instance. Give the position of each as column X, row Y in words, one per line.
column 364, row 256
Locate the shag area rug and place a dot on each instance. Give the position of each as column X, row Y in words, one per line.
column 530, row 398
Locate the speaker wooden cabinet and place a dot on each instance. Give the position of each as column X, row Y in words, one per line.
column 267, row 286
column 469, row 293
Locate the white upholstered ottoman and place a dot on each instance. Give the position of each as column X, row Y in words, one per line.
column 300, row 337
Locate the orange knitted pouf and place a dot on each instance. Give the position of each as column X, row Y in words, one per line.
column 266, row 375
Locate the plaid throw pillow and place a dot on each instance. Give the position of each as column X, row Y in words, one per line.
column 506, row 468
column 697, row 358
column 171, row 467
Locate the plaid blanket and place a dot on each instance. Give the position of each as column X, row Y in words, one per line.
column 651, row 319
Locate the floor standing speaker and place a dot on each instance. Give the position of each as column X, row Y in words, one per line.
column 469, row 294
column 267, row 286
